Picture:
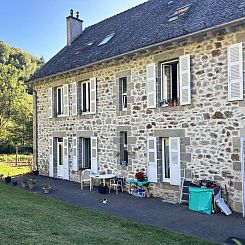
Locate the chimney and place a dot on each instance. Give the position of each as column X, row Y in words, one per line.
column 74, row 27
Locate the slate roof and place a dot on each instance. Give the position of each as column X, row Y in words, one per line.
column 139, row 27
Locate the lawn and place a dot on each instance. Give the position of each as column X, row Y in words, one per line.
column 30, row 218
column 7, row 170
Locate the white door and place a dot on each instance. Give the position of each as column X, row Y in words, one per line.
column 243, row 172
column 66, row 160
column 60, row 158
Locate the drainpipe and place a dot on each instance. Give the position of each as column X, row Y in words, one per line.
column 35, row 131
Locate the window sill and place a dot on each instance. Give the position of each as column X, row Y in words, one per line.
column 172, row 108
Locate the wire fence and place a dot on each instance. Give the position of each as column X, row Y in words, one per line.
column 16, row 160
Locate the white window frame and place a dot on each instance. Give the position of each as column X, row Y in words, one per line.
column 88, row 85
column 82, row 149
column 165, row 179
column 62, row 101
column 169, row 63
column 122, row 94
column 60, row 143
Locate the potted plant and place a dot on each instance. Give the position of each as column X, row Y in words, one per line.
column 14, row 182
column 174, row 102
column 170, row 102
column 32, row 183
column 46, row 187
column 149, row 192
column 8, row 179
column 24, row 182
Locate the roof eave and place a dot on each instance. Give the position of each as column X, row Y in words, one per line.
column 217, row 27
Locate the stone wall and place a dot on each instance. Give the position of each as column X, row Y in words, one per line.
column 209, row 128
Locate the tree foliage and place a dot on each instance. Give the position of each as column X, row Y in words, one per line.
column 16, row 66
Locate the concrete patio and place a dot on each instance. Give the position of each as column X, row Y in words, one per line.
column 216, row 228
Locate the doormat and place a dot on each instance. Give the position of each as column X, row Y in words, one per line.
column 234, row 241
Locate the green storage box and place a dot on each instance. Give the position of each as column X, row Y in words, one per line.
column 200, row 199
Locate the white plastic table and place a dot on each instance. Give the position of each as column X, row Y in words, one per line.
column 103, row 177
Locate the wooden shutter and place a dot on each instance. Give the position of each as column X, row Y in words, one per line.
column 152, row 159
column 185, row 79
column 50, row 103
column 66, row 159
column 174, row 161
column 94, row 155
column 51, row 157
column 74, row 154
column 74, row 99
column 93, row 95
column 243, row 173
column 151, row 85
column 235, row 72
column 66, row 99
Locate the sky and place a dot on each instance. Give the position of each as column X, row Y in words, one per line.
column 39, row 26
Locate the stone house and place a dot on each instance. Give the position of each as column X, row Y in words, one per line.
column 159, row 87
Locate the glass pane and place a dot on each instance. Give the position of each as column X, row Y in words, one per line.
column 151, row 157
column 84, row 97
column 166, row 158
column 60, row 156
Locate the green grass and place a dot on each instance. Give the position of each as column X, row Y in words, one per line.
column 7, row 170
column 29, row 218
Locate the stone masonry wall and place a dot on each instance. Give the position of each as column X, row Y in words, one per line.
column 210, row 128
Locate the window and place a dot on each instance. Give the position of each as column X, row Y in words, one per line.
column 170, row 158
column 165, row 159
column 60, row 152
column 123, row 93
column 106, row 39
column 123, row 149
column 85, row 96
column 85, row 152
column 60, row 105
column 179, row 12
column 169, row 84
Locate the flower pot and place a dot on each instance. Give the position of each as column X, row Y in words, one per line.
column 14, row 182
column 32, row 186
column 24, row 184
column 8, row 179
column 46, row 190
column 148, row 194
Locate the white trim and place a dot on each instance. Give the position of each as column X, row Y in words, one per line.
column 175, row 172
column 66, row 158
column 87, row 97
column 163, row 161
column 185, row 72
column 74, row 98
column 94, row 158
column 75, row 156
column 51, row 157
column 236, row 82
column 151, row 85
column 93, row 95
column 50, row 103
column 61, row 101
column 243, row 173
column 152, row 165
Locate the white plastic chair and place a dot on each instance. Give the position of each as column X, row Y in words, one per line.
column 86, row 177
column 117, row 182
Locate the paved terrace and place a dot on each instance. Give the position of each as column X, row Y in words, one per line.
column 174, row 217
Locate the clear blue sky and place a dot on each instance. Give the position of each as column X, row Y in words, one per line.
column 39, row 26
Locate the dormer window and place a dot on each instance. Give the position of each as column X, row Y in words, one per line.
column 106, row 39
column 179, row 12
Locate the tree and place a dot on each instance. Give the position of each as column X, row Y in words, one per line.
column 16, row 66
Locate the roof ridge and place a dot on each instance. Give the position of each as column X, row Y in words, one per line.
column 113, row 16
